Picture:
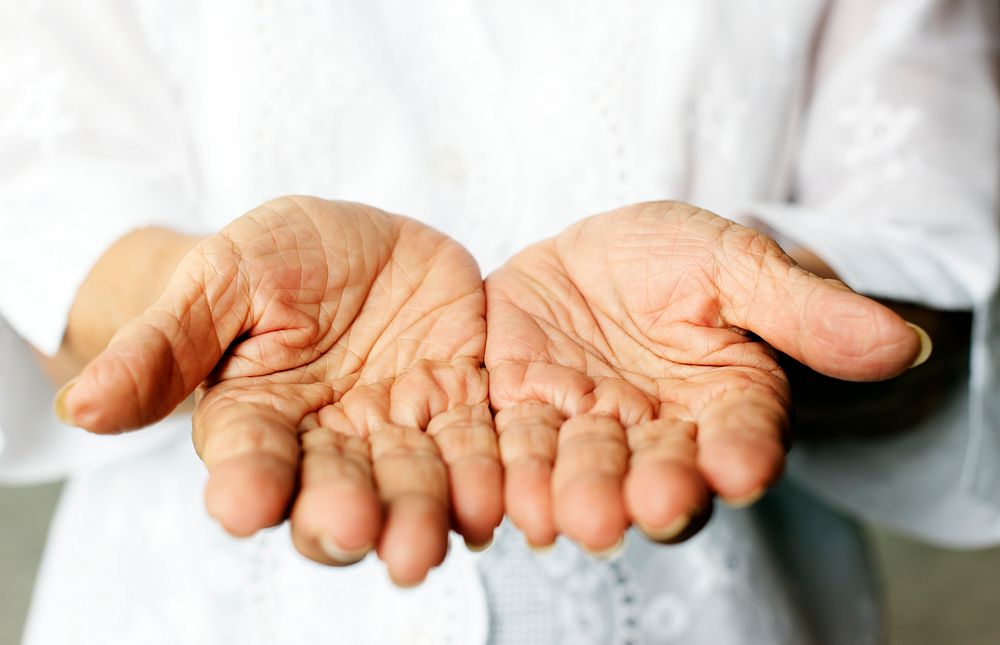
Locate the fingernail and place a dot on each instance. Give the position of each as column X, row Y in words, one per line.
column 407, row 585
column 479, row 548
column 342, row 555
column 609, row 552
column 59, row 403
column 670, row 531
column 541, row 548
column 926, row 346
column 743, row 502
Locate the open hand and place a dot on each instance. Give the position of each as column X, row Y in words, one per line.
column 339, row 354
column 629, row 376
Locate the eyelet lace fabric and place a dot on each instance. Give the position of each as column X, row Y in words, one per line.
column 648, row 593
column 168, row 574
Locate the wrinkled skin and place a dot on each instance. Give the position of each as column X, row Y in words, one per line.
column 626, row 386
column 339, row 353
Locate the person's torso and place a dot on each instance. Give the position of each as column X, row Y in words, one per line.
column 498, row 122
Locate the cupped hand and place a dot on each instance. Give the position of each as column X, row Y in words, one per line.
column 632, row 370
column 337, row 351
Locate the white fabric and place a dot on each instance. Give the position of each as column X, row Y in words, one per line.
column 42, row 448
column 91, row 148
column 866, row 130
column 134, row 559
column 898, row 184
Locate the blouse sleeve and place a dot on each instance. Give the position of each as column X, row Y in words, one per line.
column 92, row 145
column 896, row 188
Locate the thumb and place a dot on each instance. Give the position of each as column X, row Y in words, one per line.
column 155, row 361
column 819, row 322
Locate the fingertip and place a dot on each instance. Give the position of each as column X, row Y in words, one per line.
column 340, row 555
column 926, row 345
column 336, row 524
column 60, row 406
column 664, row 497
column 414, row 539
column 479, row 547
column 477, row 498
column 741, row 469
column 591, row 512
column 81, row 404
column 608, row 552
column 859, row 339
column 748, row 500
column 541, row 547
column 528, row 501
column 249, row 493
column 680, row 529
column 109, row 398
column 540, row 536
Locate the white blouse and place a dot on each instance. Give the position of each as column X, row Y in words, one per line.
column 865, row 130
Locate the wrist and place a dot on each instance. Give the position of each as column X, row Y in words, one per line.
column 127, row 278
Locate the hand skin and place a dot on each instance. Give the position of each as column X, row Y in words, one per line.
column 111, row 296
column 128, row 278
column 629, row 378
column 339, row 351
column 826, row 408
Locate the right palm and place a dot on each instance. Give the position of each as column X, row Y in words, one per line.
column 339, row 350
column 627, row 387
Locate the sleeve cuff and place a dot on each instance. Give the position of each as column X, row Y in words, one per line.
column 885, row 259
column 52, row 238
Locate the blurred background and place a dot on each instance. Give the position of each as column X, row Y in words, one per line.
column 933, row 596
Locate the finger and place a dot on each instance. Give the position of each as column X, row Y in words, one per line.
column 568, row 390
column 337, row 514
column 665, row 494
column 413, row 485
column 155, row 361
column 252, row 455
column 468, row 445
column 742, row 444
column 590, row 466
column 619, row 399
column 528, row 438
column 449, row 400
column 819, row 322
column 429, row 388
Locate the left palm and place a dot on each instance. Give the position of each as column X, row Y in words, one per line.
column 626, row 384
column 339, row 350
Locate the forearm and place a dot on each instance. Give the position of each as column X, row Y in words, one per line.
column 127, row 278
